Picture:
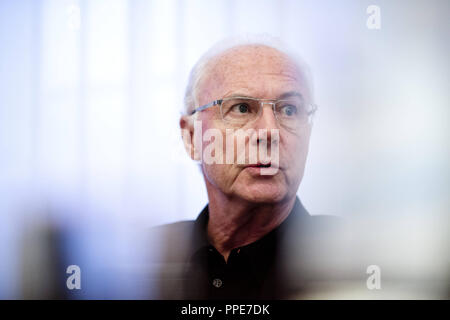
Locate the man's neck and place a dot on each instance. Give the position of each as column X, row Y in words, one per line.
column 235, row 222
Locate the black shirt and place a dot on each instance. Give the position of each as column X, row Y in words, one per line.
column 268, row 268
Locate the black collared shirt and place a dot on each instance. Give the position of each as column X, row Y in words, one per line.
column 252, row 271
column 277, row 266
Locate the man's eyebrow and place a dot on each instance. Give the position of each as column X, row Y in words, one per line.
column 282, row 96
column 238, row 95
column 290, row 94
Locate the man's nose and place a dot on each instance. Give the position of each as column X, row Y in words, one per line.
column 267, row 119
column 268, row 122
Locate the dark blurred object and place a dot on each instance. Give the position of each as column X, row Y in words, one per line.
column 43, row 269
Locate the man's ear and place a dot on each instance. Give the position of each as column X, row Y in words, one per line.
column 187, row 134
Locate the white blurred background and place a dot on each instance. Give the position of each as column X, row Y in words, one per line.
column 91, row 92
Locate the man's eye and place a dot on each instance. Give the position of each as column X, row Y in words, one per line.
column 289, row 110
column 241, row 108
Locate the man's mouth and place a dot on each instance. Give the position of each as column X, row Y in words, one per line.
column 259, row 165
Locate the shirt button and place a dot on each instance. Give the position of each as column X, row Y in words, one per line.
column 217, row 283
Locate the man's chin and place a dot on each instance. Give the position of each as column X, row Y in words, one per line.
column 263, row 193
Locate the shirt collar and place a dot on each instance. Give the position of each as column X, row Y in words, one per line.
column 200, row 239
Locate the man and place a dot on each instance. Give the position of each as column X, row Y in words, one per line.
column 253, row 237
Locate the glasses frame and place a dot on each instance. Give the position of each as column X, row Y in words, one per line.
column 262, row 102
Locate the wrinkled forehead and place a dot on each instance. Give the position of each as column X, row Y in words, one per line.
column 254, row 70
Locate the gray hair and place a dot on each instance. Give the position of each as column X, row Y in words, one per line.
column 200, row 68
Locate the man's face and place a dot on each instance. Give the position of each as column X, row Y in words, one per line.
column 265, row 73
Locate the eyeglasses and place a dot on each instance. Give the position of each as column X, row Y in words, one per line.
column 292, row 113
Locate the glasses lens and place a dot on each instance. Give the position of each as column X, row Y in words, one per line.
column 239, row 111
column 292, row 113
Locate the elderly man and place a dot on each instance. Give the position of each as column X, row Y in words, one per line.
column 253, row 237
